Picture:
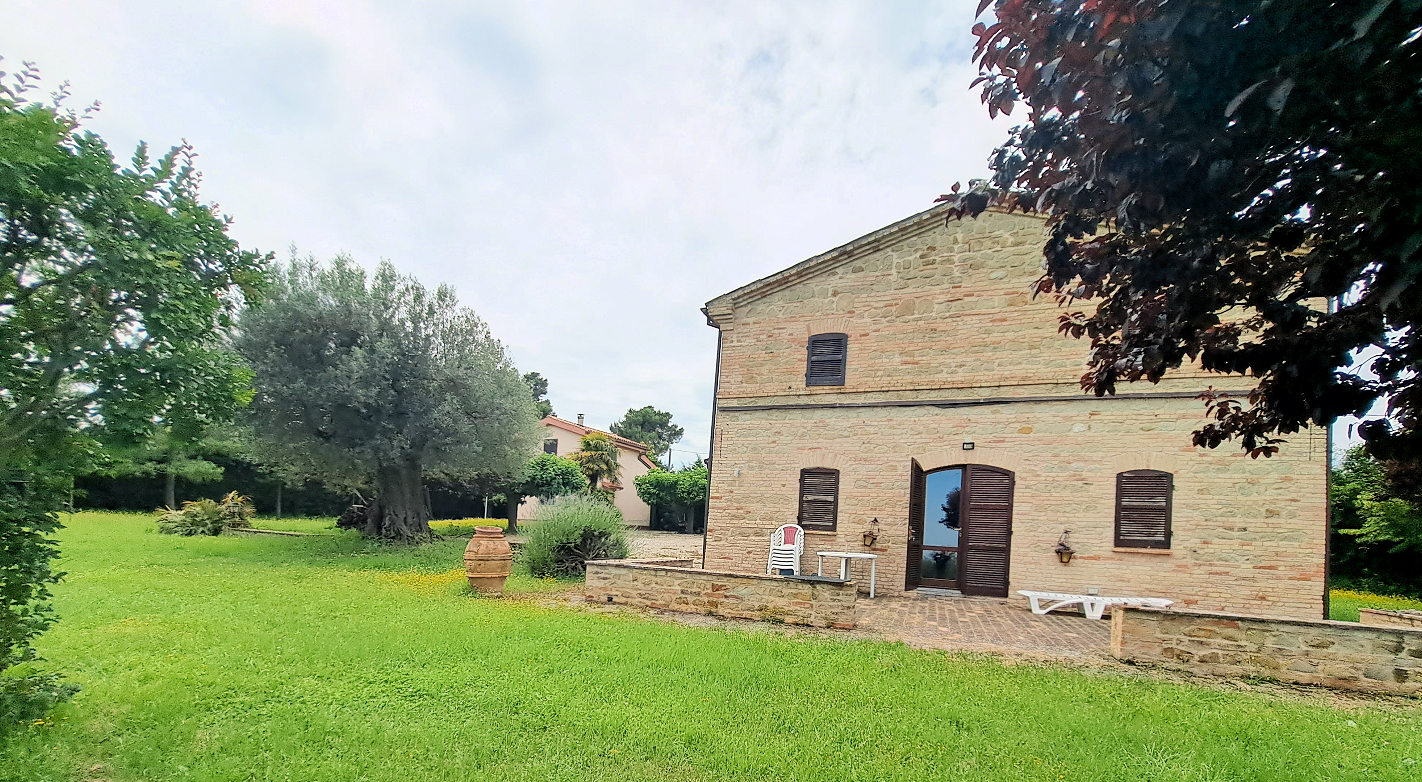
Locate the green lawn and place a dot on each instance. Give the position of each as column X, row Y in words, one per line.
column 325, row 525
column 1343, row 604
column 326, row 658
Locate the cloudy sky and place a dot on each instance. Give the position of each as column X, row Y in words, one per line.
column 587, row 175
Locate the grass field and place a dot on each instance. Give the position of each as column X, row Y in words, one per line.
column 327, row 658
column 1343, row 604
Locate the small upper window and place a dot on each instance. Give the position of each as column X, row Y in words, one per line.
column 819, row 498
column 825, row 364
column 1143, row 508
column 551, row 446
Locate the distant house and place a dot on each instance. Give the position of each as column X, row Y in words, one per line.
column 910, row 385
column 561, row 438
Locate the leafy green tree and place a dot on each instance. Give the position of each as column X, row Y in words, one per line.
column 1211, row 172
column 116, row 282
column 548, row 476
column 651, row 427
column 545, row 476
column 1377, row 535
column 678, row 496
column 597, row 457
column 657, row 488
column 538, row 384
column 178, row 449
column 373, row 382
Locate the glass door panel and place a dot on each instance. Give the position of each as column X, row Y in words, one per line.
column 942, row 527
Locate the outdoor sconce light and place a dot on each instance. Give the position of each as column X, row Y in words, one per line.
column 1064, row 549
column 872, row 534
column 968, row 446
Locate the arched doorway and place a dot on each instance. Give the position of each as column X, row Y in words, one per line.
column 960, row 528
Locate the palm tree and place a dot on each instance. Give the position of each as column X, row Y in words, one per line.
column 597, row 457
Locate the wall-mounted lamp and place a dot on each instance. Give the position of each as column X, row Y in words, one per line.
column 871, row 534
column 968, row 446
column 1064, row 549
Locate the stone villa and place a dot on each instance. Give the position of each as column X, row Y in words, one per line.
column 908, row 385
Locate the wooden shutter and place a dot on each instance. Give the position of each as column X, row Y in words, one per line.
column 819, row 498
column 1143, row 508
column 825, row 363
column 913, row 571
column 987, row 531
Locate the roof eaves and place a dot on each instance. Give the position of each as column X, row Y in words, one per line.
column 579, row 429
column 923, row 221
column 843, row 253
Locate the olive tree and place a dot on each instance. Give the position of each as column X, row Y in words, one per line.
column 372, row 382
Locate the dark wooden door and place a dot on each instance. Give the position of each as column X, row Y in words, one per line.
column 912, row 570
column 987, row 530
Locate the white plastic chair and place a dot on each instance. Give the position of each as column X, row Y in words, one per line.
column 787, row 543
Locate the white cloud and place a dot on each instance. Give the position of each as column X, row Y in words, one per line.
column 587, row 174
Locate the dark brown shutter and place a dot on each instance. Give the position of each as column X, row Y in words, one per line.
column 825, row 363
column 913, row 572
column 1143, row 509
column 987, row 531
column 819, row 498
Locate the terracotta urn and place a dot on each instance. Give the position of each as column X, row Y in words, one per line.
column 488, row 560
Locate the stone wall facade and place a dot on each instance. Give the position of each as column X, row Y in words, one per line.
column 674, row 585
column 1377, row 617
column 1342, row 655
column 948, row 347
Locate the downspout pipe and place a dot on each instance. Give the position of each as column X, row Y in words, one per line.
column 711, row 446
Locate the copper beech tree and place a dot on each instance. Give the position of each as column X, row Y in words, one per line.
column 1233, row 182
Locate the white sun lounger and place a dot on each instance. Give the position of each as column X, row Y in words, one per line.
column 1094, row 606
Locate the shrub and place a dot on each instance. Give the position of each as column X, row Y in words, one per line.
column 207, row 517
column 27, row 548
column 570, row 531
column 26, row 698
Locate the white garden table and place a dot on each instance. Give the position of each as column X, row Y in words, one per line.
column 844, row 557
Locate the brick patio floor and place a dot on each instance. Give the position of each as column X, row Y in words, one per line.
column 947, row 622
column 928, row 621
column 986, row 624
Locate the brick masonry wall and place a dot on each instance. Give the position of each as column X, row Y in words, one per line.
column 672, row 585
column 943, row 307
column 1382, row 618
column 944, row 313
column 1247, row 537
column 1333, row 654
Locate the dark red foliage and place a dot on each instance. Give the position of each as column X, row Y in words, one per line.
column 1233, row 182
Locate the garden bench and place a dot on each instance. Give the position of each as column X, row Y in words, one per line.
column 1094, row 606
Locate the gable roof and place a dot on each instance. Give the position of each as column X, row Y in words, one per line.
column 622, row 442
column 890, row 234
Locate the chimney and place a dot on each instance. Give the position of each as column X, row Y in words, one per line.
column 580, row 419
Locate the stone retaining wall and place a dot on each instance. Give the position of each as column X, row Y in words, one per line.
column 1344, row 655
column 673, row 585
column 1377, row 617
